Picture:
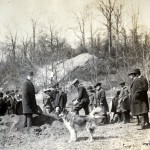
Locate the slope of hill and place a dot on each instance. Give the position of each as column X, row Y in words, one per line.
column 62, row 69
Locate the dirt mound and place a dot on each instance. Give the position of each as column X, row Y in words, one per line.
column 12, row 132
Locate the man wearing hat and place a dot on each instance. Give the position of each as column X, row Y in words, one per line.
column 83, row 98
column 101, row 98
column 47, row 101
column 139, row 106
column 124, row 102
column 91, row 93
column 28, row 100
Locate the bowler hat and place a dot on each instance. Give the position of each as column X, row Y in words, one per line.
column 135, row 71
column 75, row 81
column 98, row 84
column 31, row 73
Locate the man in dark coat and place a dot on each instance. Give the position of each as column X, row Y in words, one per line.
column 47, row 100
column 124, row 102
column 91, row 93
column 2, row 105
column 115, row 106
column 7, row 99
column 61, row 100
column 101, row 99
column 28, row 100
column 138, row 96
column 83, row 98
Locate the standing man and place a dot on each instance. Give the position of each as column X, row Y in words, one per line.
column 138, row 98
column 91, row 93
column 101, row 98
column 47, row 101
column 124, row 102
column 83, row 98
column 28, row 100
column 61, row 100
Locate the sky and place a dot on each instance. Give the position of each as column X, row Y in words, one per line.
column 15, row 15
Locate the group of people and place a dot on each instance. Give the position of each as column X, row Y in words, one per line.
column 10, row 102
column 126, row 103
column 55, row 99
column 90, row 98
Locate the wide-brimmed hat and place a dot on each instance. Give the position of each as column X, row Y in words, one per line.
column 75, row 81
column 135, row 71
column 97, row 84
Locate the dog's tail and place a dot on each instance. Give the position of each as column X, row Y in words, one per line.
column 96, row 110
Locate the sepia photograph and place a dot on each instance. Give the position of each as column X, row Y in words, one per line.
column 74, row 74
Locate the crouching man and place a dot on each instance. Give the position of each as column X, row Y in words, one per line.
column 83, row 98
column 28, row 100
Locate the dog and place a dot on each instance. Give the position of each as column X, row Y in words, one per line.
column 75, row 123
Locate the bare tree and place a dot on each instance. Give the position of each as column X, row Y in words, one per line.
column 106, row 7
column 80, row 29
column 117, row 15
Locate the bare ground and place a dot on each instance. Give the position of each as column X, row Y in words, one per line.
column 53, row 135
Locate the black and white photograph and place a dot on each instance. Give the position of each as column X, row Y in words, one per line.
column 74, row 74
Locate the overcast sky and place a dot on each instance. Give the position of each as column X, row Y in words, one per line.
column 15, row 14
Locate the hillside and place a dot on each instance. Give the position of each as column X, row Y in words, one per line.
column 62, row 69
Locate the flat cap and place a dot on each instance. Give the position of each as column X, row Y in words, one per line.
column 98, row 84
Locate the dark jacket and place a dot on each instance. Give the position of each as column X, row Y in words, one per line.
column 138, row 98
column 124, row 101
column 2, row 107
column 28, row 98
column 61, row 100
column 82, row 95
column 145, row 89
column 101, row 100
column 115, row 104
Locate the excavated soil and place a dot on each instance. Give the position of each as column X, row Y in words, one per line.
column 49, row 133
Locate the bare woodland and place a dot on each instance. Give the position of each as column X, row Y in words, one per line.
column 122, row 46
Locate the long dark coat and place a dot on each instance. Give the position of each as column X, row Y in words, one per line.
column 145, row 89
column 115, row 104
column 138, row 98
column 124, row 101
column 101, row 100
column 61, row 100
column 28, row 98
column 83, row 96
